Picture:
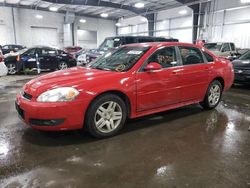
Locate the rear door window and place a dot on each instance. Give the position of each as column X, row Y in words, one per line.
column 208, row 57
column 191, row 55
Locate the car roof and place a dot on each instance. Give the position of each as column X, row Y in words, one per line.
column 131, row 36
column 155, row 44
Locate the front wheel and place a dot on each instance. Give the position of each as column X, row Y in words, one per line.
column 213, row 95
column 106, row 116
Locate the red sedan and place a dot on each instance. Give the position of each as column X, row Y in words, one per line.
column 132, row 81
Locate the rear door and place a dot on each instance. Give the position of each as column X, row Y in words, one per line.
column 195, row 75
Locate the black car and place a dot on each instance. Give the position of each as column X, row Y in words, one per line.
column 48, row 58
column 111, row 43
column 242, row 69
column 11, row 48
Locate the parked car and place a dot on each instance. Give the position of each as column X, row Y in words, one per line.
column 223, row 49
column 11, row 48
column 3, row 68
column 49, row 58
column 1, row 56
column 242, row 69
column 72, row 49
column 132, row 81
column 110, row 43
column 239, row 53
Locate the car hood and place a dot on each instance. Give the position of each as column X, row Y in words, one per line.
column 241, row 63
column 77, row 77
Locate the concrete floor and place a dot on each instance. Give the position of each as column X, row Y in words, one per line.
column 186, row 147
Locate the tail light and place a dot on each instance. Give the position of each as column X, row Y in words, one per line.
column 1, row 59
column 18, row 58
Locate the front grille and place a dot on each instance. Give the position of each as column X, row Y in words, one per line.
column 27, row 96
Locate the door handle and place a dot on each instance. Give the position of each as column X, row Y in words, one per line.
column 176, row 72
column 208, row 69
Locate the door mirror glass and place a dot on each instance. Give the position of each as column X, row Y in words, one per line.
column 153, row 66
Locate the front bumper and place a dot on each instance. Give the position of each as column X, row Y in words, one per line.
column 51, row 116
column 242, row 78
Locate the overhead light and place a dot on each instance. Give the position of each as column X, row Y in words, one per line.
column 118, row 24
column 245, row 1
column 53, row 9
column 143, row 19
column 39, row 16
column 139, row 5
column 104, row 15
column 182, row 12
column 82, row 20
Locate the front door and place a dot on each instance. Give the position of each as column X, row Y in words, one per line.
column 159, row 88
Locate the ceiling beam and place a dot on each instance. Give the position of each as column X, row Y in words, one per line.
column 46, row 9
column 100, row 4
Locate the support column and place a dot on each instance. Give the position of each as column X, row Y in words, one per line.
column 151, row 23
column 196, row 14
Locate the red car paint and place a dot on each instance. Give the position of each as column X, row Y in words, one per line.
column 147, row 92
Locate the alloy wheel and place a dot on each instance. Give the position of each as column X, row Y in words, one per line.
column 214, row 95
column 11, row 69
column 63, row 66
column 108, row 117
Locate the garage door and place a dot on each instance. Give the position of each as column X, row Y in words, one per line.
column 87, row 39
column 44, row 36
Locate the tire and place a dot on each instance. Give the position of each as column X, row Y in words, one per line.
column 213, row 95
column 102, row 112
column 12, row 68
column 62, row 65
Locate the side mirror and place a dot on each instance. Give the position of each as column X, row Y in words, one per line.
column 153, row 66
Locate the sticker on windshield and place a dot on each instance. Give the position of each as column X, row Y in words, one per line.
column 134, row 52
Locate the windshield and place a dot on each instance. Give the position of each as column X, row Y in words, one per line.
column 120, row 60
column 213, row 46
column 245, row 56
column 110, row 43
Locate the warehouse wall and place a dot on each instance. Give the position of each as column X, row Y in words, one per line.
column 104, row 28
column 52, row 25
column 228, row 22
column 169, row 23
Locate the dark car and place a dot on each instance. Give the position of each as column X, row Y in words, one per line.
column 11, row 48
column 48, row 58
column 110, row 43
column 242, row 69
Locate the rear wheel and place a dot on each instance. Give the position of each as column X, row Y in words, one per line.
column 106, row 116
column 11, row 68
column 62, row 65
column 213, row 95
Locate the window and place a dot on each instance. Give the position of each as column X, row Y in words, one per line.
column 232, row 46
column 6, row 47
column 30, row 52
column 166, row 57
column 191, row 55
column 226, row 47
column 120, row 60
column 47, row 51
column 208, row 57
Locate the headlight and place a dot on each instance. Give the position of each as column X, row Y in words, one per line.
column 61, row 94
